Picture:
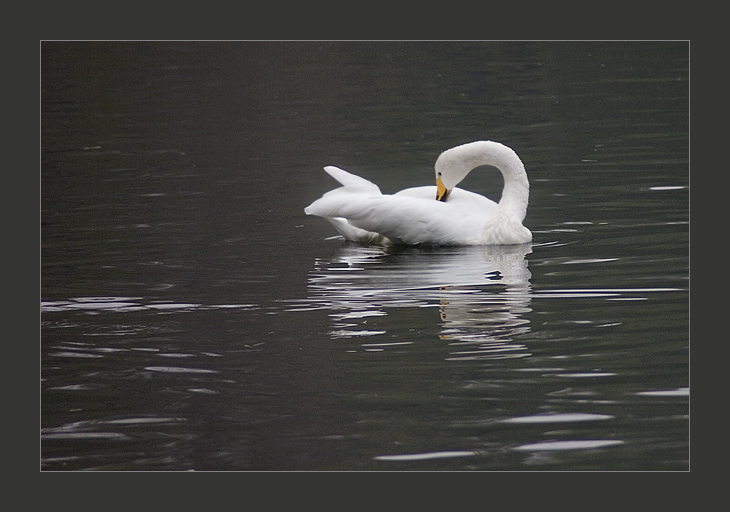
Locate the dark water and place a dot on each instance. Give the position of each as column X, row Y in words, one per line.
column 193, row 318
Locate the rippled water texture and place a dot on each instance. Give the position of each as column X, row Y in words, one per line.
column 193, row 318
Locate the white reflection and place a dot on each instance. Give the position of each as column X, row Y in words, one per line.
column 481, row 293
column 408, row 457
column 558, row 418
column 568, row 445
column 666, row 392
column 94, row 305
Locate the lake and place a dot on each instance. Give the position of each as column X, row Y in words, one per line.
column 194, row 318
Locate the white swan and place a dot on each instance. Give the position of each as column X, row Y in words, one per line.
column 433, row 215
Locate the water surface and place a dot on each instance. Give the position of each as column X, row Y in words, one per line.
column 192, row 317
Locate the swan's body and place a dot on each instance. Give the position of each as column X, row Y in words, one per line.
column 434, row 215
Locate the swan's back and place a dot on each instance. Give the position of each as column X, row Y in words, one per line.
column 459, row 198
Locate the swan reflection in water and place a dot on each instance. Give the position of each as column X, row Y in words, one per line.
column 482, row 293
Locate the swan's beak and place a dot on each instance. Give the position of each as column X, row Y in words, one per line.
column 442, row 193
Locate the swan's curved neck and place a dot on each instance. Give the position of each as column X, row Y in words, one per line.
column 454, row 164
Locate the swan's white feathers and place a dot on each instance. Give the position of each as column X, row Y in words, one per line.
column 459, row 198
column 360, row 212
column 400, row 218
column 352, row 181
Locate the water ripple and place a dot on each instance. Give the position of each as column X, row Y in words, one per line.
column 558, row 418
column 127, row 304
column 666, row 392
column 568, row 445
column 178, row 369
column 598, row 292
column 425, row 456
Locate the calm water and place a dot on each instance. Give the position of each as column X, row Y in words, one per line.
column 193, row 318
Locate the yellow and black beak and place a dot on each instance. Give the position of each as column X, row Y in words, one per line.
column 442, row 193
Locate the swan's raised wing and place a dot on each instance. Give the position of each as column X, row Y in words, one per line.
column 352, row 181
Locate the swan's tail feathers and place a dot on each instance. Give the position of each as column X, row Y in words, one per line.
column 350, row 180
column 353, row 187
column 331, row 205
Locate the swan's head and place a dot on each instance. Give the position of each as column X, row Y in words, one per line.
column 454, row 164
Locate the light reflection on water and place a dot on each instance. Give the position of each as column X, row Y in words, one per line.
column 481, row 293
column 128, row 304
column 480, row 307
